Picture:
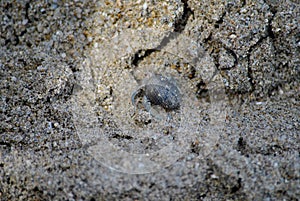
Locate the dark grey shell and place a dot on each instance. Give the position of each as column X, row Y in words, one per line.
column 163, row 91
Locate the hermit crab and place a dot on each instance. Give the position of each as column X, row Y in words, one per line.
column 158, row 90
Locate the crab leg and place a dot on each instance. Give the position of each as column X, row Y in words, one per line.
column 138, row 91
column 152, row 112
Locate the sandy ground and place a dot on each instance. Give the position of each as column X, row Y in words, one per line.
column 68, row 129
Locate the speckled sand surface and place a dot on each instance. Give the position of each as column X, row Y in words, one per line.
column 68, row 130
